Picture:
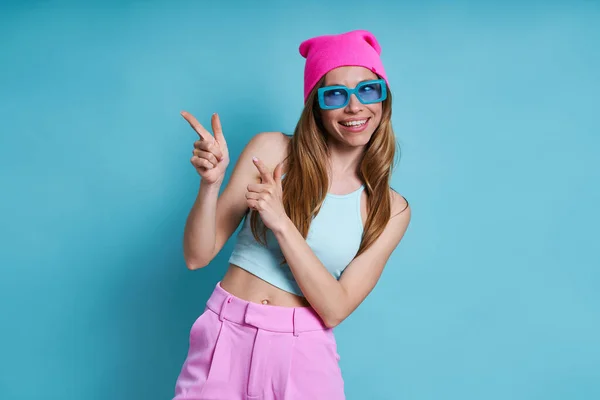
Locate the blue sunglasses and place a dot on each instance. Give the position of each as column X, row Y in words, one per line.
column 367, row 92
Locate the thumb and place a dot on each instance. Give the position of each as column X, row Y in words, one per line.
column 218, row 130
column 277, row 173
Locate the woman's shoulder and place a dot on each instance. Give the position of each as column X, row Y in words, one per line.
column 399, row 203
column 270, row 147
column 272, row 138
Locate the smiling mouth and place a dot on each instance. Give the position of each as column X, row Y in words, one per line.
column 354, row 124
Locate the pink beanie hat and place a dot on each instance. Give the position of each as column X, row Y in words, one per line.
column 324, row 53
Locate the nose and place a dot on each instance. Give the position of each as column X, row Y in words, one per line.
column 354, row 105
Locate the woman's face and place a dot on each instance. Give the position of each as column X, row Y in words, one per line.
column 337, row 121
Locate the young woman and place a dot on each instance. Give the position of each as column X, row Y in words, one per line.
column 321, row 222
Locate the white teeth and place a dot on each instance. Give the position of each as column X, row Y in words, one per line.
column 354, row 123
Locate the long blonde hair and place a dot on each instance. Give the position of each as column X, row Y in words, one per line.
column 306, row 180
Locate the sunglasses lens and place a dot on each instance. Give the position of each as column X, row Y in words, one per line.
column 335, row 97
column 370, row 92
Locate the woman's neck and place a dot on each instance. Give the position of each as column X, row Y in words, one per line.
column 344, row 163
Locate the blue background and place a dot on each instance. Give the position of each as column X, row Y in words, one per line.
column 492, row 294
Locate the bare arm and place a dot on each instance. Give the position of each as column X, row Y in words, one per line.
column 334, row 300
column 199, row 238
column 213, row 218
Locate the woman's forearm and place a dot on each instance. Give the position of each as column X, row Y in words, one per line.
column 200, row 228
column 324, row 293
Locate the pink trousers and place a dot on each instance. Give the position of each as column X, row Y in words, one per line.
column 241, row 350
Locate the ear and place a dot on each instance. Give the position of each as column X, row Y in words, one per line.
column 305, row 46
column 372, row 40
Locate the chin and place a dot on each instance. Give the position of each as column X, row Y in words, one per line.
column 356, row 140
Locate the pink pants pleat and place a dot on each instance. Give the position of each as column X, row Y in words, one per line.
column 246, row 351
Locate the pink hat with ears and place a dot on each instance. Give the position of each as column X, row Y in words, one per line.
column 324, row 53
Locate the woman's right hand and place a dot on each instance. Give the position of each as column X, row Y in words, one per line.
column 210, row 154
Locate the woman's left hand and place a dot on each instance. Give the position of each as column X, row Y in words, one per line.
column 267, row 197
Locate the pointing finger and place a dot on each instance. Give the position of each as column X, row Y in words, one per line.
column 265, row 174
column 203, row 133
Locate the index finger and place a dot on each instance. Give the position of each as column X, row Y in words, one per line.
column 265, row 174
column 203, row 133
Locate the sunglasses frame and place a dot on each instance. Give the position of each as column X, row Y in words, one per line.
column 321, row 93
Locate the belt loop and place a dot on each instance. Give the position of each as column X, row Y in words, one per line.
column 295, row 323
column 223, row 307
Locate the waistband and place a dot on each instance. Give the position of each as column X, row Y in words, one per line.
column 270, row 318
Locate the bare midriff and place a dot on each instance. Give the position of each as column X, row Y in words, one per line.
column 249, row 287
